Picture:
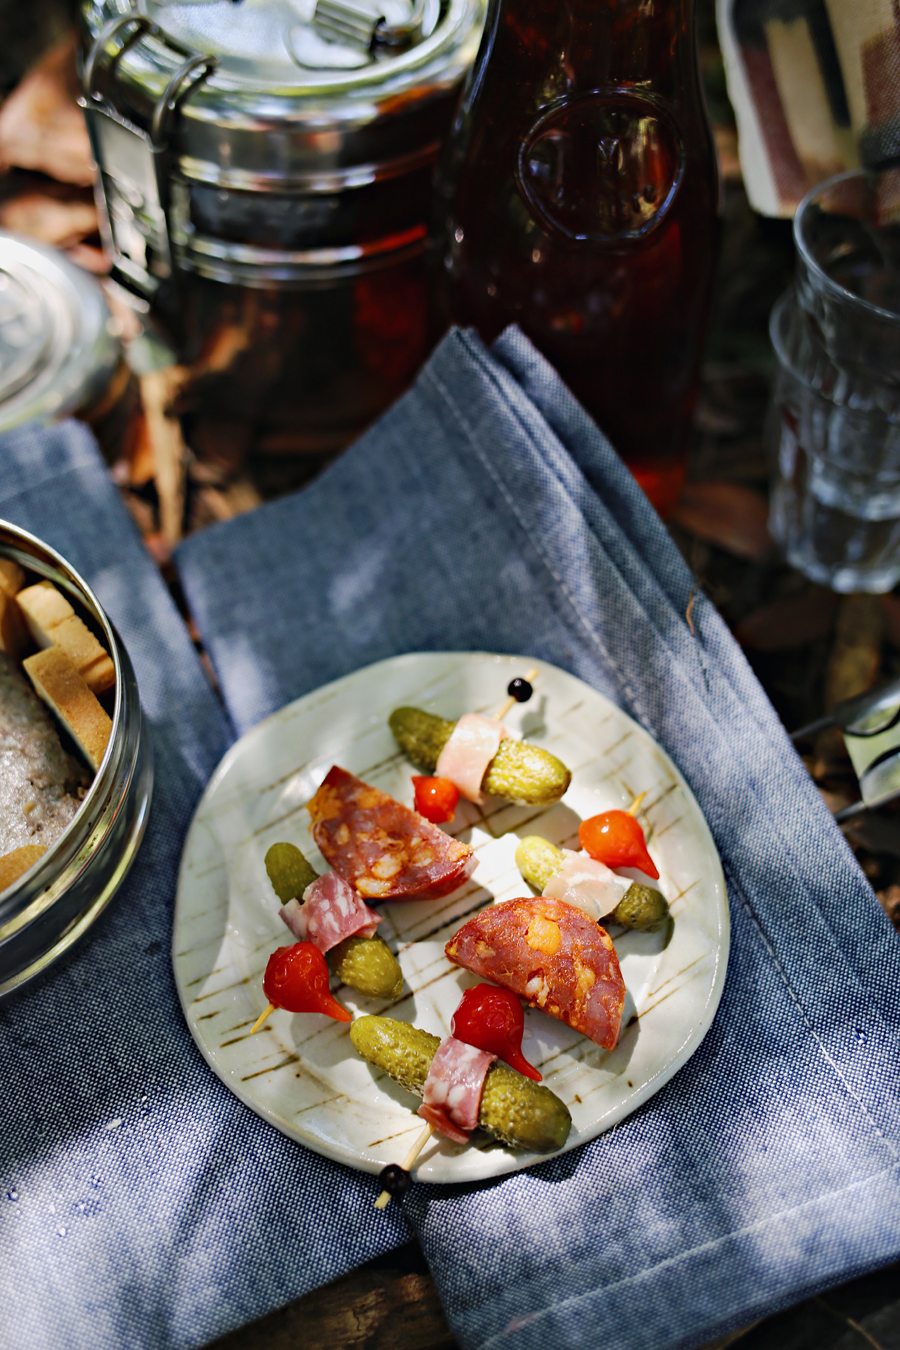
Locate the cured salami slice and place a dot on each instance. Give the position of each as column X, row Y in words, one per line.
column 452, row 1092
column 384, row 849
column 552, row 955
column 331, row 911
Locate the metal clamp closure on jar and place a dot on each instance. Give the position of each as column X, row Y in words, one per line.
column 142, row 268
column 249, row 145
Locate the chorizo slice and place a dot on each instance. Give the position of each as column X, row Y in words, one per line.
column 552, row 955
column 382, row 848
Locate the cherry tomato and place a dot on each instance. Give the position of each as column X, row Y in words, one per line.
column 436, row 798
column 296, row 979
column 616, row 838
column 492, row 1019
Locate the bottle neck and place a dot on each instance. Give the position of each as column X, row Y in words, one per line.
column 601, row 43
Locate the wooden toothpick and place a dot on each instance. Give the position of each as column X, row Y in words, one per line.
column 421, row 1141
column 531, row 676
column 266, row 1012
column 636, row 804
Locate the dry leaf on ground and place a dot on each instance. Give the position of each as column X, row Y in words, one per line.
column 48, row 218
column 726, row 514
column 41, row 126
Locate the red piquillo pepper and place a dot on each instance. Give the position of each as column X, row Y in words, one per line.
column 616, row 838
column 296, row 979
column 492, row 1019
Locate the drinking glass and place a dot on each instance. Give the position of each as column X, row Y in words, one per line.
column 834, row 419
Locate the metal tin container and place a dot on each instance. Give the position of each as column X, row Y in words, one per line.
column 53, row 904
column 59, row 356
column 265, row 182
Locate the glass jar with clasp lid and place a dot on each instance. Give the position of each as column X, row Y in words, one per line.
column 265, row 174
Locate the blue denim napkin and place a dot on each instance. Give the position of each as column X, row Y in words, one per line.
column 141, row 1205
column 485, row 511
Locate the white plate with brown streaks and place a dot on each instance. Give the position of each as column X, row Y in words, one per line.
column 301, row 1072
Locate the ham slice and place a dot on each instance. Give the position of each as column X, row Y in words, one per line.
column 453, row 1088
column 551, row 954
column 381, row 847
column 473, row 743
column 331, row 911
column 587, row 884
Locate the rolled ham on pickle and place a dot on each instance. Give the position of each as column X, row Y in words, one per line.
column 330, row 912
column 464, row 759
column 587, row 884
column 382, row 848
column 553, row 956
column 451, row 1097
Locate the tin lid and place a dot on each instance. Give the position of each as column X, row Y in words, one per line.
column 263, row 94
column 311, row 44
column 57, row 350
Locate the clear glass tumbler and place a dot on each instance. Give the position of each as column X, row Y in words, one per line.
column 834, row 419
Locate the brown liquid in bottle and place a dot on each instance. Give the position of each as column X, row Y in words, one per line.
column 578, row 199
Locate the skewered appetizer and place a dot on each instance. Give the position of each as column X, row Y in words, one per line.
column 462, row 1085
column 378, row 849
column 327, row 912
column 477, row 755
column 590, row 884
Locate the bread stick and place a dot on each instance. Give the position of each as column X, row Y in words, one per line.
column 52, row 622
column 17, row 862
column 62, row 688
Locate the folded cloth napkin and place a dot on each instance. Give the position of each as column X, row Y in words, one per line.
column 486, row 511
column 141, row 1205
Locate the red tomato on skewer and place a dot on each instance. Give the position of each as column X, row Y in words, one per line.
column 616, row 838
column 436, row 798
column 296, row 979
column 492, row 1019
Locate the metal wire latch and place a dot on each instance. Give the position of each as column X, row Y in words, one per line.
column 134, row 184
column 356, row 23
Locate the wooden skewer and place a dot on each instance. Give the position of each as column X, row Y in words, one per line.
column 636, row 804
column 530, row 676
column 266, row 1012
column 428, row 1130
column 408, row 1161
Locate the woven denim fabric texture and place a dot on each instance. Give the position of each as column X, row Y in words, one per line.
column 141, row 1205
column 486, row 511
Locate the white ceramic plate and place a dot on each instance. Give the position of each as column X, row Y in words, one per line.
column 301, row 1072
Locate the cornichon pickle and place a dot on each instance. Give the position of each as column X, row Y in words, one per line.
column 369, row 965
column 366, row 964
column 289, row 872
column 520, row 771
column 515, row 1110
column 538, row 860
column 641, row 907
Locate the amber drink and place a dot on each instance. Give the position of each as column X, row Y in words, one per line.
column 578, row 199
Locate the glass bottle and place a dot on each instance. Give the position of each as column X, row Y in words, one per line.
column 578, row 199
